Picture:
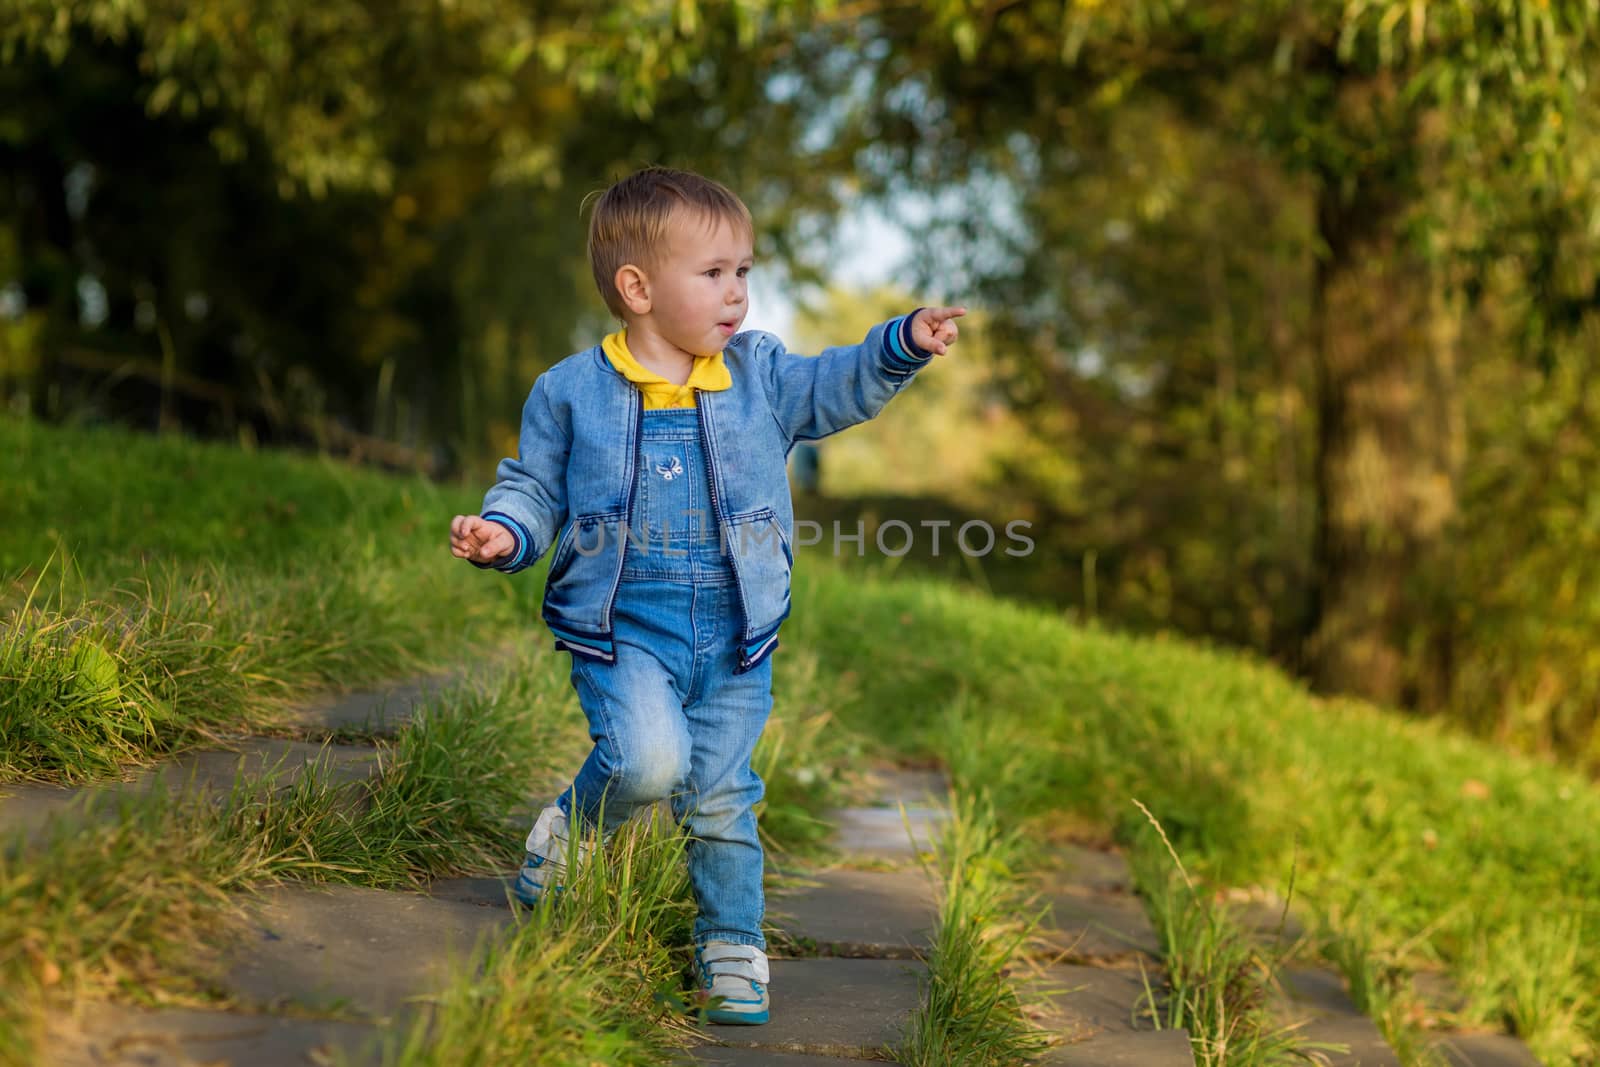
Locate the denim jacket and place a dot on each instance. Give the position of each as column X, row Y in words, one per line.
column 571, row 485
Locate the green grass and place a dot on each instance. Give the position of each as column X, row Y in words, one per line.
column 218, row 584
column 114, row 907
column 594, row 975
column 146, row 651
column 1219, row 979
column 1434, row 849
column 1379, row 988
column 118, row 498
column 157, row 592
column 970, row 1011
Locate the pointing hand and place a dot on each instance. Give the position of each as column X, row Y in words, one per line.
column 934, row 329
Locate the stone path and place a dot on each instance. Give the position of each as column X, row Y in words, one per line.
column 320, row 972
column 1314, row 999
column 865, row 925
column 27, row 808
column 365, row 955
column 1484, row 1050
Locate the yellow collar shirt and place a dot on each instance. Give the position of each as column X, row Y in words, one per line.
column 709, row 372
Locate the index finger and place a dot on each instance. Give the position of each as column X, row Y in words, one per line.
column 942, row 314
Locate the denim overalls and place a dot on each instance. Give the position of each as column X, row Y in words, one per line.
column 670, row 718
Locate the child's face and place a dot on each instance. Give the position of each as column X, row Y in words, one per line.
column 699, row 292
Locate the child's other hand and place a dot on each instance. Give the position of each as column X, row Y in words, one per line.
column 480, row 540
column 934, row 329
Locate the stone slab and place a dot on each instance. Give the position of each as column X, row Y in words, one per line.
column 1153, row 1048
column 1485, row 1050
column 853, row 1009
column 1091, row 869
column 1268, row 922
column 883, row 833
column 761, row 1057
column 483, row 891
column 1317, row 991
column 1362, row 1044
column 215, row 771
column 1082, row 1002
column 364, row 951
column 379, row 712
column 881, row 914
column 29, row 809
column 1315, row 998
column 1098, row 927
column 1438, row 992
column 911, row 786
column 114, row 1035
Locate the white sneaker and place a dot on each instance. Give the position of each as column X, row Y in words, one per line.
column 735, row 977
column 545, row 865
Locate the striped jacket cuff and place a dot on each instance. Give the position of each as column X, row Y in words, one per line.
column 902, row 351
column 519, row 556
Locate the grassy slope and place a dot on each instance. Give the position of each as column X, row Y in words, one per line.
column 217, row 583
column 1412, row 842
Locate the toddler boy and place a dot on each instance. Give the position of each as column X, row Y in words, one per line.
column 654, row 465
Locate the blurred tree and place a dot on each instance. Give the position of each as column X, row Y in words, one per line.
column 1176, row 373
column 133, row 239
column 1402, row 115
column 331, row 212
column 340, row 93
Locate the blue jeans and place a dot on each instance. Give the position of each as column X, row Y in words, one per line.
column 670, row 718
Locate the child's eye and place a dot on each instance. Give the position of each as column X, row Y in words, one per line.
column 744, row 272
column 714, row 272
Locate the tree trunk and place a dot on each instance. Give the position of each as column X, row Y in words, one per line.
column 1388, row 448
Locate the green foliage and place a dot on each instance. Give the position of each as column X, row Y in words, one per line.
column 970, row 1012
column 1173, row 184
column 154, row 595
column 949, row 433
column 1435, row 848
column 1523, row 639
column 329, row 90
column 163, row 153
column 1219, row 983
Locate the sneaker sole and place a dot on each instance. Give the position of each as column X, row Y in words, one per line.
column 737, row 1018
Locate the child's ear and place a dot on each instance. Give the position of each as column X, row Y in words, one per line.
column 633, row 285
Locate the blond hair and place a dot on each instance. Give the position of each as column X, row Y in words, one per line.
column 629, row 222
